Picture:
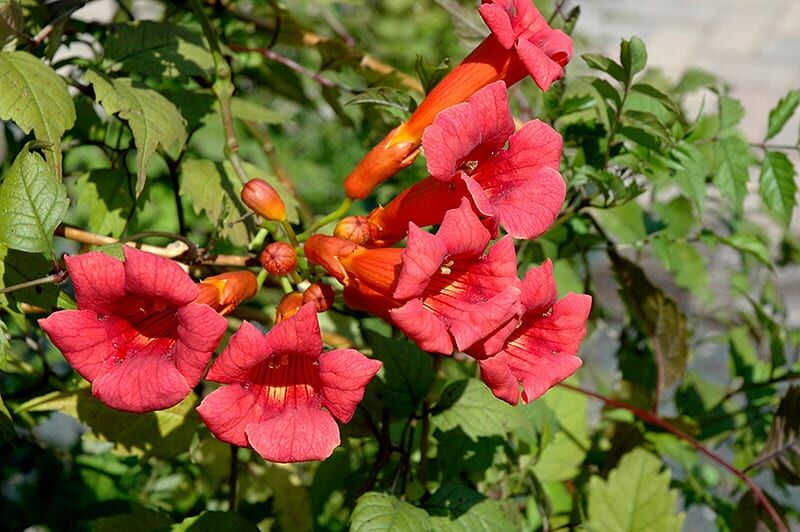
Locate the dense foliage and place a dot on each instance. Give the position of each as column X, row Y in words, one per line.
column 144, row 128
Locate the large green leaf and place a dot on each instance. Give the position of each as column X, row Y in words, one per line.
column 165, row 433
column 470, row 405
column 734, row 157
column 624, row 223
column 457, row 508
column 107, row 193
column 776, row 185
column 32, row 204
column 154, row 120
column 782, row 112
column 375, row 512
column 35, row 98
column 407, row 373
column 635, row 497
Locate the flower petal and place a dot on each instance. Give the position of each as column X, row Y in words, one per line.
column 425, row 328
column 82, row 338
column 422, row 258
column 245, row 350
column 229, row 409
column 295, row 435
column 540, row 66
column 528, row 209
column 344, row 374
column 496, row 374
column 298, row 335
column 539, row 289
column 472, row 322
column 499, row 22
column 462, row 232
column 99, row 281
column 151, row 276
column 200, row 329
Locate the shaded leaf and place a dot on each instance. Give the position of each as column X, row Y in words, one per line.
column 107, row 193
column 36, row 98
column 164, row 434
column 457, row 508
column 19, row 267
column 470, row 405
column 154, row 120
column 776, row 185
column 608, row 92
column 251, row 111
column 467, row 23
column 691, row 169
column 210, row 521
column 782, row 112
column 635, row 497
column 379, row 511
column 657, row 95
column 32, row 204
column 138, row 518
column 731, row 177
column 430, row 75
column 407, row 372
column 783, row 445
column 7, row 431
column 658, row 315
column 5, row 344
column 605, row 64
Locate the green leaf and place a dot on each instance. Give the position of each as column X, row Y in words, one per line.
column 783, row 445
column 457, row 508
column 658, row 316
column 731, row 112
column 731, row 177
column 691, row 169
column 159, row 49
column 694, row 79
column 36, row 98
column 106, row 191
column 648, row 122
column 407, row 372
column 210, row 521
column 32, row 204
column 657, row 95
column 467, row 24
column 607, row 92
column 605, row 64
column 5, row 345
column 251, row 111
column 430, row 75
column 375, row 512
column 7, row 431
column 164, row 434
column 689, row 267
column 632, row 56
column 20, row 267
column 776, row 185
column 750, row 244
column 624, row 223
column 782, row 112
column 138, row 518
column 470, row 405
column 154, row 120
column 635, row 497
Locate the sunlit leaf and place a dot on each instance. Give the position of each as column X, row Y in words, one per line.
column 605, row 64
column 108, row 194
column 456, row 508
column 782, row 112
column 777, row 186
column 632, row 56
column 375, row 512
column 731, row 178
column 691, row 170
column 470, row 405
column 731, row 112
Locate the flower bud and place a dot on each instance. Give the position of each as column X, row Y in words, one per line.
column 278, row 258
column 288, row 306
column 321, row 294
column 357, row 229
column 225, row 291
column 263, row 200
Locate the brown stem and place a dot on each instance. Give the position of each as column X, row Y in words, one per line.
column 171, row 251
column 653, row 419
column 769, row 456
column 55, row 278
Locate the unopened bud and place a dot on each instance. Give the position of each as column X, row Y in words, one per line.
column 278, row 258
column 321, row 294
column 356, row 229
column 225, row 291
column 263, row 200
column 289, row 306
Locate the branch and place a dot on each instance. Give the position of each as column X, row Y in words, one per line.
column 653, row 419
column 172, row 250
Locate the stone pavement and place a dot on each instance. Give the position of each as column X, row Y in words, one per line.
column 754, row 45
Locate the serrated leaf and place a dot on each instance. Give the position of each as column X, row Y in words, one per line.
column 154, row 120
column 635, row 497
column 776, row 185
column 407, row 372
column 36, row 98
column 210, row 521
column 691, row 169
column 158, row 49
column 783, row 445
column 164, row 434
column 375, row 512
column 731, row 112
column 470, row 405
column 32, row 204
column 689, row 267
column 107, row 193
column 604, row 64
column 731, row 177
column 658, row 316
column 457, row 508
column 782, row 112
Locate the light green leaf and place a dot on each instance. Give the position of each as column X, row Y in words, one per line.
column 624, row 223
column 32, row 204
column 456, row 508
column 748, row 243
column 165, row 433
column 776, row 185
column 154, row 120
column 407, row 372
column 731, row 112
column 209, row 521
column 108, row 195
column 782, row 112
column 734, row 157
column 470, row 405
column 375, row 512
column 691, row 169
column 689, row 267
column 251, row 111
column 660, row 97
column 36, row 98
column 635, row 497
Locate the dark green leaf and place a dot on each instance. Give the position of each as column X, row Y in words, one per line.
column 457, row 508
column 782, row 112
column 210, row 521
column 659, row 317
column 649, row 122
column 7, row 431
column 782, row 450
column 20, row 267
column 635, row 497
column 467, row 24
column 734, row 157
column 633, row 57
column 430, row 75
column 408, row 372
column 776, row 185
column 165, row 433
column 137, row 519
column 606, row 91
column 10, row 23
column 375, row 512
column 660, row 97
column 154, row 120
column 36, row 98
column 32, row 204
column 605, row 64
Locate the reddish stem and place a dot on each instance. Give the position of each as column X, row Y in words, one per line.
column 653, row 419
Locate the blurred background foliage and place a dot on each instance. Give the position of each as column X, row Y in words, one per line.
column 684, row 413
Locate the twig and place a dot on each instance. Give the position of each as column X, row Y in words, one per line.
column 175, row 249
column 774, row 454
column 653, row 419
column 56, row 278
column 556, row 11
column 325, row 220
column 233, row 479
